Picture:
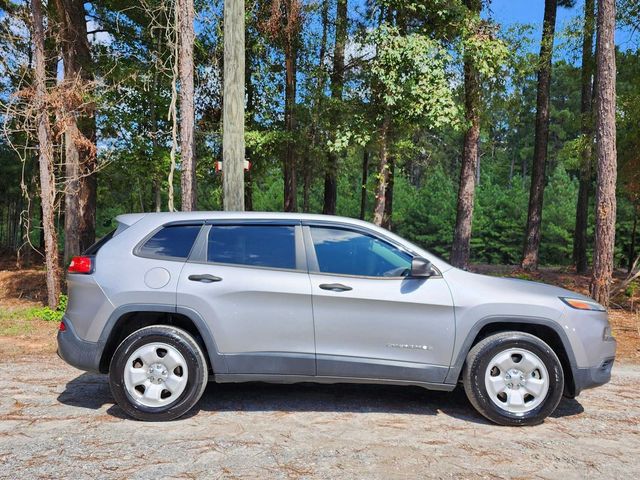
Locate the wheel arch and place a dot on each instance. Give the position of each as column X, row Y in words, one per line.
column 128, row 318
column 547, row 330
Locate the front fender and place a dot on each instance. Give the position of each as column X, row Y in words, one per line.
column 509, row 322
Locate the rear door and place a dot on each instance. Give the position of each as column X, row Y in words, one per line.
column 249, row 282
column 371, row 319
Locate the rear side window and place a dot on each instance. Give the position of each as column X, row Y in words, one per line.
column 253, row 245
column 173, row 241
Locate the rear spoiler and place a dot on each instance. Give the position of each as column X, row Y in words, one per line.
column 129, row 219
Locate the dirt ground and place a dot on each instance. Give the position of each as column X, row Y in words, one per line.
column 57, row 422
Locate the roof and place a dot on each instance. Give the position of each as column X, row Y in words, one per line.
column 131, row 218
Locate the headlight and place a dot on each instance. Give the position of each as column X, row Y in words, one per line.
column 580, row 304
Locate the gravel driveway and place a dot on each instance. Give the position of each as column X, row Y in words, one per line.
column 59, row 422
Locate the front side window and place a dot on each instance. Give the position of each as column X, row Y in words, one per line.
column 345, row 252
column 172, row 241
column 270, row 246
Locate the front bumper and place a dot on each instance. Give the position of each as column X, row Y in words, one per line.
column 584, row 378
column 78, row 352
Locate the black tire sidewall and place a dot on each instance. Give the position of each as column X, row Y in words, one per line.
column 493, row 412
column 197, row 373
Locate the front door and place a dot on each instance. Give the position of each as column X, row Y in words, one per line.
column 250, row 284
column 371, row 319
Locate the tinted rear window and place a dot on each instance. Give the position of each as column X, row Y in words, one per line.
column 254, row 245
column 173, row 241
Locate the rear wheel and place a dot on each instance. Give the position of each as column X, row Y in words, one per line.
column 158, row 373
column 513, row 378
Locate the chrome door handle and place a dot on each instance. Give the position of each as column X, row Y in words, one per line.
column 335, row 287
column 205, row 278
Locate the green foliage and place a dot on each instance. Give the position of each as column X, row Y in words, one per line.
column 48, row 314
column 632, row 289
column 430, row 213
column 500, row 215
column 558, row 215
column 410, row 72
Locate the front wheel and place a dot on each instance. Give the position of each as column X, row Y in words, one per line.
column 513, row 378
column 158, row 373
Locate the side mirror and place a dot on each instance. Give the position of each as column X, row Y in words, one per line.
column 421, row 268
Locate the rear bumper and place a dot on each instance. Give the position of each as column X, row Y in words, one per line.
column 78, row 352
column 585, row 378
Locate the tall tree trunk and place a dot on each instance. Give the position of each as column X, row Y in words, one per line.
column 337, row 88
column 290, row 185
column 80, row 158
column 365, row 179
column 186, row 39
column 383, row 170
column 47, row 178
column 233, row 106
column 582, row 207
column 602, row 274
column 530, row 256
column 470, row 164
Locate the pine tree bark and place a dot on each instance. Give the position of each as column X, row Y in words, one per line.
column 80, row 157
column 186, row 40
column 582, row 207
column 290, row 183
column 337, row 88
column 47, row 178
column 530, row 257
column 468, row 170
column 602, row 274
column 383, row 170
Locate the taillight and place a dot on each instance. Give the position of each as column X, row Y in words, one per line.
column 81, row 265
column 62, row 327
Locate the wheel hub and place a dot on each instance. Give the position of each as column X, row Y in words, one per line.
column 514, row 379
column 157, row 373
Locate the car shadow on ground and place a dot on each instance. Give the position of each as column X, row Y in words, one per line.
column 92, row 391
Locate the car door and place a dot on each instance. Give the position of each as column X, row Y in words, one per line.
column 249, row 282
column 371, row 319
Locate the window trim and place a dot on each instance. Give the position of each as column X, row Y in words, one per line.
column 312, row 259
column 200, row 251
column 137, row 250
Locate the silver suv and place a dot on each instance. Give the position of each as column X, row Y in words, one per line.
column 168, row 301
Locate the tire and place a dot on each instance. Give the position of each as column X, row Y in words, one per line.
column 158, row 373
column 513, row 379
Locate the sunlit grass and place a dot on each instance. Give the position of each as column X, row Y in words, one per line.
column 17, row 321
